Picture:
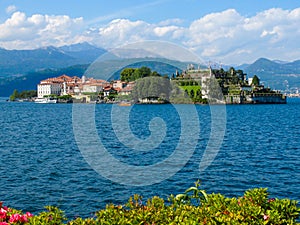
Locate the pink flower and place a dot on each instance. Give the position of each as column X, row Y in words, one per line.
column 266, row 217
column 28, row 214
column 24, row 218
column 15, row 218
column 2, row 214
column 3, row 210
column 3, row 223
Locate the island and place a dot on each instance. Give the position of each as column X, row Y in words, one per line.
column 144, row 86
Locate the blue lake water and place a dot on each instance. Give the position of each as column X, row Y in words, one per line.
column 41, row 163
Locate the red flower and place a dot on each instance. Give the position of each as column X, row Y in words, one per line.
column 266, row 217
column 24, row 218
column 2, row 214
column 15, row 218
column 28, row 214
column 3, row 210
column 3, row 223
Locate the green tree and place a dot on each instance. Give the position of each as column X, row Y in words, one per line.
column 152, row 87
column 155, row 74
column 255, row 81
column 136, row 74
column 14, row 95
column 27, row 94
column 144, row 71
column 192, row 93
column 127, row 74
column 241, row 75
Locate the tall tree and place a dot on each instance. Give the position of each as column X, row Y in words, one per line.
column 14, row 95
column 127, row 74
column 192, row 93
column 145, row 71
column 255, row 81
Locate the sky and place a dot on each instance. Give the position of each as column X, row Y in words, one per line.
column 226, row 31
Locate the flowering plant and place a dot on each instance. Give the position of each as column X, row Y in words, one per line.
column 194, row 206
column 12, row 216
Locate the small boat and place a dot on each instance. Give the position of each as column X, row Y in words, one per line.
column 124, row 104
column 45, row 100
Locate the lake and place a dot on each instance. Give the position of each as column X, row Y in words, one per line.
column 45, row 157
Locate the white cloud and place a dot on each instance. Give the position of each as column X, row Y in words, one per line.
column 225, row 36
column 175, row 21
column 228, row 36
column 20, row 31
column 162, row 31
column 11, row 9
column 123, row 31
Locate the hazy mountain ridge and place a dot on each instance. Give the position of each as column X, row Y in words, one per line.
column 279, row 75
column 30, row 80
column 16, row 62
column 23, row 69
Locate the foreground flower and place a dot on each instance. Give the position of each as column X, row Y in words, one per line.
column 266, row 217
column 25, row 217
column 2, row 214
column 28, row 214
column 15, row 218
column 3, row 223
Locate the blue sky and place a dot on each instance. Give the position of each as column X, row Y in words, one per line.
column 232, row 31
column 151, row 11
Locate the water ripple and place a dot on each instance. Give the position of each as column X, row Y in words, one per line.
column 41, row 164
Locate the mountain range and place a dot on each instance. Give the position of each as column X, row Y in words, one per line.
column 276, row 74
column 20, row 62
column 23, row 69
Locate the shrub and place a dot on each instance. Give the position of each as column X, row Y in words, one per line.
column 194, row 206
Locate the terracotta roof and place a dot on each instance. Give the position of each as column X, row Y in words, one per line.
column 127, row 89
column 107, row 88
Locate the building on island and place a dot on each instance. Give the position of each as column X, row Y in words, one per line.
column 82, row 88
column 201, row 85
column 228, row 87
column 48, row 89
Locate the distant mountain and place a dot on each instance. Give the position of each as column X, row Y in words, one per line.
column 23, row 69
column 20, row 62
column 30, row 80
column 84, row 46
column 84, row 52
column 280, row 61
column 277, row 75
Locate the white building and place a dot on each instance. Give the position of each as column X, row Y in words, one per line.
column 92, row 88
column 206, row 77
column 117, row 84
column 48, row 89
column 250, row 79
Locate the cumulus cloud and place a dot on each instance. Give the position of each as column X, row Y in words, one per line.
column 20, row 31
column 123, row 31
column 228, row 36
column 225, row 36
column 174, row 21
column 11, row 9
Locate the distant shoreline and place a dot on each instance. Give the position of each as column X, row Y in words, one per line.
column 6, row 99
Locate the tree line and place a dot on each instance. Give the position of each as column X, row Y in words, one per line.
column 132, row 74
column 27, row 94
